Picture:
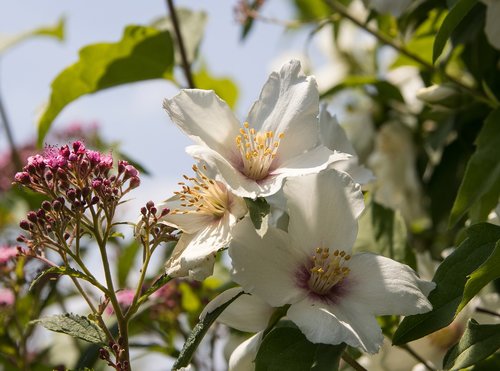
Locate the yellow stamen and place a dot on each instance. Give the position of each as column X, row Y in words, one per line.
column 328, row 270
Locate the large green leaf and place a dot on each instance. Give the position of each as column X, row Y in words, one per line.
column 482, row 175
column 451, row 277
column 452, row 20
column 74, row 325
column 192, row 25
column 143, row 53
column 56, row 31
column 477, row 343
column 223, row 86
column 486, row 273
column 258, row 210
column 285, row 348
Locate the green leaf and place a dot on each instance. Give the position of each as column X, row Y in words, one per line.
column 477, row 343
column 143, row 53
column 452, row 20
column 249, row 21
column 73, row 325
column 450, row 277
column 192, row 25
column 258, row 209
column 383, row 231
column 385, row 89
column 189, row 302
column 158, row 284
column 486, row 273
column 55, row 272
column 490, row 363
column 126, row 261
column 482, row 174
column 56, row 31
column 285, row 348
column 224, row 87
column 198, row 333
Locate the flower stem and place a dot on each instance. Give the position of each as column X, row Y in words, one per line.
column 342, row 10
column 180, row 43
column 487, row 311
column 352, row 362
column 417, row 357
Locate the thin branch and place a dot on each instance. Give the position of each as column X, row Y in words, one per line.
column 342, row 10
column 352, row 362
column 487, row 311
column 186, row 66
column 417, row 357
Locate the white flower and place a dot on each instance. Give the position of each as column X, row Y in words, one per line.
column 393, row 162
column 334, row 137
column 278, row 139
column 205, row 211
column 333, row 297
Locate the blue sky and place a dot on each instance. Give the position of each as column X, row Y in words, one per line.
column 130, row 114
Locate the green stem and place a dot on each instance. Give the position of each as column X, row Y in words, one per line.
column 186, row 66
column 352, row 362
column 342, row 10
column 417, row 357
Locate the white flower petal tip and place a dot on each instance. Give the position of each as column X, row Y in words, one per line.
column 243, row 357
column 279, row 139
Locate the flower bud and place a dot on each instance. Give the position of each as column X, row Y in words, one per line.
column 445, row 96
column 46, row 205
column 144, row 211
column 22, row 177
column 150, row 204
column 165, row 211
column 24, row 224
column 32, row 217
column 135, row 182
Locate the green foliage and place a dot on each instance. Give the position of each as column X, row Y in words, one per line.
column 285, row 348
column 383, row 231
column 452, row 20
column 258, row 210
column 385, row 90
column 126, row 261
column 73, row 325
column 55, row 31
column 481, row 182
column 477, row 343
column 224, row 87
column 451, row 277
column 143, row 53
column 483, row 275
column 198, row 333
column 192, row 25
column 55, row 272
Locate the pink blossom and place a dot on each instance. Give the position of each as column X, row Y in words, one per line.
column 6, row 297
column 7, row 253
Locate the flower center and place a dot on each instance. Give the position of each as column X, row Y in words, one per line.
column 328, row 270
column 203, row 196
column 258, row 151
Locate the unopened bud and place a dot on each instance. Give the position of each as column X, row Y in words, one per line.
column 24, row 224
column 32, row 217
column 135, row 182
column 446, row 95
column 22, row 177
column 46, row 205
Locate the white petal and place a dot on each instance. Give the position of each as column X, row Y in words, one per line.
column 288, row 104
column 383, row 286
column 188, row 223
column 492, row 26
column 227, row 173
column 242, row 358
column 332, row 134
column 309, row 162
column 321, row 323
column 194, row 254
column 323, row 209
column 265, row 266
column 247, row 313
column 205, row 118
column 358, row 173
